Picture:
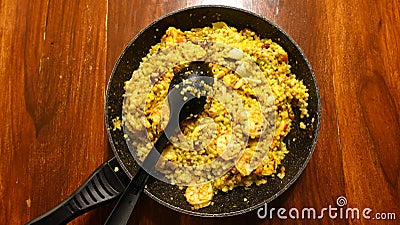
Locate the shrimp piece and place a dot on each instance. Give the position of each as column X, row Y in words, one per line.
column 251, row 160
column 255, row 129
column 173, row 35
column 242, row 165
column 222, row 147
column 199, row 196
column 169, row 153
column 255, row 117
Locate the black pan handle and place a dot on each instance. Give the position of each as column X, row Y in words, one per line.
column 123, row 209
column 105, row 184
column 126, row 203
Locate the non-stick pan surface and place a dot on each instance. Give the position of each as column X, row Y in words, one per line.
column 231, row 203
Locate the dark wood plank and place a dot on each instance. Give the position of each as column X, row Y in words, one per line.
column 366, row 70
column 53, row 80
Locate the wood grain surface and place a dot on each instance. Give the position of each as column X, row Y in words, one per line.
column 56, row 57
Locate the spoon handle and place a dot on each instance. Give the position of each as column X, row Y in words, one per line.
column 125, row 205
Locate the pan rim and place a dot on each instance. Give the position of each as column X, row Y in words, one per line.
column 318, row 114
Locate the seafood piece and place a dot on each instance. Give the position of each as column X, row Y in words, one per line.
column 199, row 196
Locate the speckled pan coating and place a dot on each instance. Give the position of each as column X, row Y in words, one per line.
column 231, row 203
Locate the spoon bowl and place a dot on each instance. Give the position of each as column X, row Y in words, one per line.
column 188, row 88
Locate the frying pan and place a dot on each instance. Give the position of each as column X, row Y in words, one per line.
column 110, row 179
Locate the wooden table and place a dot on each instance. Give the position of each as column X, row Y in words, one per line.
column 56, row 57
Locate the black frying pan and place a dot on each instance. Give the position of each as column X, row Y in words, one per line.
column 109, row 180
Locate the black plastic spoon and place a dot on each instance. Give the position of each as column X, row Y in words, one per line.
column 183, row 104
